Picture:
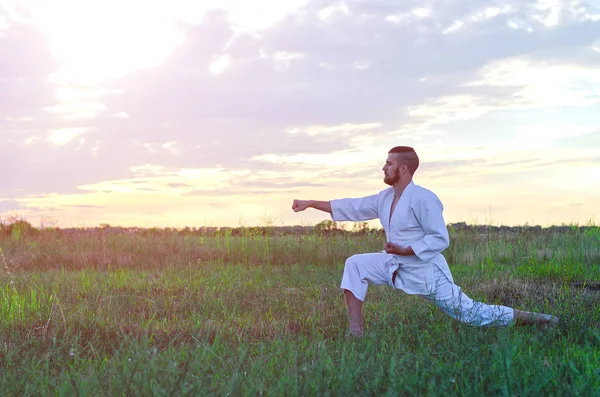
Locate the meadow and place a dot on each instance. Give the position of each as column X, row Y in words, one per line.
column 257, row 311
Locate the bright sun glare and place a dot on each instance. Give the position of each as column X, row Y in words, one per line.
column 99, row 40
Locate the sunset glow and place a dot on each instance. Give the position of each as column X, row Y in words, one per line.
column 182, row 113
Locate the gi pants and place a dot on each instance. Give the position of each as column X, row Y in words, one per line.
column 377, row 268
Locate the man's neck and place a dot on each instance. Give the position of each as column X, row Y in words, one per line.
column 400, row 186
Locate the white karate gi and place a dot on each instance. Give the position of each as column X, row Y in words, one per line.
column 416, row 222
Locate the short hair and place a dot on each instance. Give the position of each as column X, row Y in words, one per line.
column 409, row 157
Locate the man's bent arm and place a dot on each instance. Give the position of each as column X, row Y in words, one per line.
column 436, row 237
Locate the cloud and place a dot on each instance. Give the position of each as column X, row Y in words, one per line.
column 62, row 136
column 544, row 134
column 25, row 66
column 7, row 206
column 522, row 83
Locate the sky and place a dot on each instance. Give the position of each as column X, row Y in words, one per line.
column 179, row 113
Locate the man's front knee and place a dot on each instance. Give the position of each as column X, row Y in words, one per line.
column 352, row 261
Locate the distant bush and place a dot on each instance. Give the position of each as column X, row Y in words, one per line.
column 17, row 228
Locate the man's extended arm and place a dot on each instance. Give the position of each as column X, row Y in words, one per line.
column 346, row 209
column 301, row 205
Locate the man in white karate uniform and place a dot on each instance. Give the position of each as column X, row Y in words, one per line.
column 412, row 261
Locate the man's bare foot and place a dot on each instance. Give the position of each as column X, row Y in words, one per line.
column 527, row 318
column 553, row 321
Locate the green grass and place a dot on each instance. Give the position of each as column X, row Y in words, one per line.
column 172, row 313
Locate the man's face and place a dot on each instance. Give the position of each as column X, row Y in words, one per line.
column 391, row 169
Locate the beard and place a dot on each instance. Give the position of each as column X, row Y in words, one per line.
column 391, row 179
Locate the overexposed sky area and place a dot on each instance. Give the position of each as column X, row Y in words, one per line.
column 220, row 113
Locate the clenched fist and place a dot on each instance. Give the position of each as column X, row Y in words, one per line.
column 395, row 249
column 300, row 205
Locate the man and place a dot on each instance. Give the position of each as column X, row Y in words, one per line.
column 412, row 261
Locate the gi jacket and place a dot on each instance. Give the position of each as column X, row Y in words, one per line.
column 417, row 222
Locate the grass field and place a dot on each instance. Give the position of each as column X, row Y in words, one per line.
column 257, row 312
